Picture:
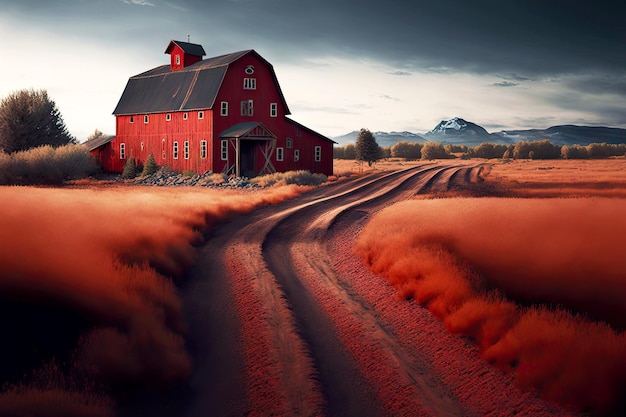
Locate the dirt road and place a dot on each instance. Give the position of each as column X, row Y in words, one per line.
column 285, row 321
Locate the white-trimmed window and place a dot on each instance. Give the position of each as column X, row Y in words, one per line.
column 177, row 59
column 175, row 150
column 203, row 149
column 146, row 119
column 318, row 153
column 280, row 154
column 122, row 151
column 249, row 83
column 200, row 115
column 247, row 108
column 185, row 116
column 273, row 109
column 131, row 119
column 163, row 145
column 224, row 149
column 296, row 155
column 168, row 117
column 224, row 108
column 142, row 146
column 186, row 149
column 289, row 144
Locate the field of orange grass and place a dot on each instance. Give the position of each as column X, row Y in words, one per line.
column 88, row 298
column 537, row 283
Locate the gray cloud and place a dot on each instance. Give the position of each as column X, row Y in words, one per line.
column 505, row 84
column 400, row 73
column 138, row 2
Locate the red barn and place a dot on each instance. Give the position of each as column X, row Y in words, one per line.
column 223, row 114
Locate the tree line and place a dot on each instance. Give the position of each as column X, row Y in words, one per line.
column 542, row 149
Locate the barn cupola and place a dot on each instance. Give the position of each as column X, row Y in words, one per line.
column 183, row 54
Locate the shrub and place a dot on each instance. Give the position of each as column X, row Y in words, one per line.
column 188, row 173
column 434, row 150
column 574, row 152
column 130, row 169
column 150, row 167
column 407, row 150
column 291, row 177
column 487, row 151
column 542, row 149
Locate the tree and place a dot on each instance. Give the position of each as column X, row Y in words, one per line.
column 95, row 135
column 130, row 169
column 407, row 150
column 28, row 119
column 366, row 147
column 434, row 150
column 150, row 167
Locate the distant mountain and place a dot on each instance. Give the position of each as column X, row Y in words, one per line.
column 462, row 132
column 384, row 139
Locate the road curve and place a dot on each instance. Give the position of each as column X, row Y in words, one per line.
column 285, row 321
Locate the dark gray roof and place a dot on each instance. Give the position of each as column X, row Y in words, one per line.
column 97, row 142
column 241, row 129
column 194, row 87
column 303, row 127
column 188, row 48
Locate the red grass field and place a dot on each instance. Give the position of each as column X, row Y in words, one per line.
column 537, row 283
column 107, row 256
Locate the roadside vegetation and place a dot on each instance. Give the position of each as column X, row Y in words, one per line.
column 91, row 274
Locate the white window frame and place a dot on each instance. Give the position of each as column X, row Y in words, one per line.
column 200, row 115
column 168, row 117
column 224, row 108
column 280, row 154
column 122, row 150
column 177, row 59
column 249, row 83
column 224, row 149
column 186, row 149
column 318, row 154
column 296, row 155
column 289, row 143
column 175, row 150
column 203, row 148
column 131, row 119
column 273, row 109
column 247, row 108
column 146, row 119
column 185, row 116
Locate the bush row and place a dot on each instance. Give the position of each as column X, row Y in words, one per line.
column 46, row 165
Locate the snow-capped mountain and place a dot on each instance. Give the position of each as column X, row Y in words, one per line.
column 384, row 139
column 458, row 130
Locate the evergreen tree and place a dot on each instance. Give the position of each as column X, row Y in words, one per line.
column 130, row 169
column 150, row 167
column 29, row 119
column 366, row 147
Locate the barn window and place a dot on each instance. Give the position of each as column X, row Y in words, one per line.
column 298, row 133
column 249, row 83
column 186, row 149
column 280, row 154
column 203, row 149
column 224, row 150
column 122, row 151
column 175, row 150
column 131, row 119
column 168, row 117
column 177, row 59
column 185, row 116
column 200, row 115
column 247, row 108
column 146, row 119
column 318, row 153
column 273, row 109
column 142, row 146
column 289, row 143
column 224, row 108
column 296, row 155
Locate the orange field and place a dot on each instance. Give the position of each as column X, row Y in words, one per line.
column 107, row 256
column 537, row 283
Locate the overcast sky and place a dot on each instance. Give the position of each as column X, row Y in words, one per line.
column 342, row 64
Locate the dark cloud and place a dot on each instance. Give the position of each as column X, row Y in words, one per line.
column 400, row 73
column 505, row 84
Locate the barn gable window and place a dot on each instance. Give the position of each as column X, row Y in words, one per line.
column 200, row 115
column 318, row 153
column 185, row 116
column 224, row 150
column 186, row 149
column 122, row 151
column 168, row 117
column 177, row 59
column 289, row 143
column 296, row 155
column 249, row 83
column 175, row 150
column 224, row 108
column 247, row 108
column 280, row 153
column 146, row 119
column 273, row 109
column 203, row 149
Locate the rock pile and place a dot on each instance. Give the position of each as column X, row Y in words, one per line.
column 166, row 177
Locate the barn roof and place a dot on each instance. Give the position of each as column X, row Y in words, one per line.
column 242, row 129
column 192, row 88
column 303, row 127
column 97, row 142
column 188, row 48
